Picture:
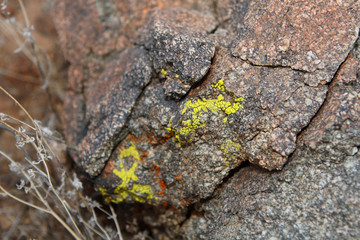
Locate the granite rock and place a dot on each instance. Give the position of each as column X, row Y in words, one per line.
column 295, row 35
column 180, row 49
column 232, row 119
column 100, row 117
column 316, row 195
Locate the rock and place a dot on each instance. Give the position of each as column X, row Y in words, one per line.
column 274, row 110
column 295, row 35
column 180, row 49
column 316, row 195
column 199, row 107
column 109, row 102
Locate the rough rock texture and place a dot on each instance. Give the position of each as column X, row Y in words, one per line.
column 296, row 35
column 179, row 47
column 316, row 195
column 189, row 104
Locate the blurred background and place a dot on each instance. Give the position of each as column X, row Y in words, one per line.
column 25, row 67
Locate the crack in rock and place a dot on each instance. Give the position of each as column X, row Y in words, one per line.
column 182, row 150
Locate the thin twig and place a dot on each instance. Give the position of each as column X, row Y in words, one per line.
column 27, row 22
column 99, row 225
column 114, row 218
column 39, row 196
column 22, row 108
column 23, row 201
column 88, row 226
column 18, row 121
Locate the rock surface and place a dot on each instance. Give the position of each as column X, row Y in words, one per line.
column 198, row 104
column 316, row 195
column 180, row 49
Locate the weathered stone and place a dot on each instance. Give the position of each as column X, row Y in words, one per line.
column 193, row 96
column 296, row 34
column 78, row 25
column 108, row 104
column 179, row 47
column 92, row 29
column 164, row 160
column 208, row 142
column 278, row 105
column 315, row 196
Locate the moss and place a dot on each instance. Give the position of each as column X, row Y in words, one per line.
column 201, row 106
column 129, row 186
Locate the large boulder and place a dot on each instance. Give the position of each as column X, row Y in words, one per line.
column 199, row 105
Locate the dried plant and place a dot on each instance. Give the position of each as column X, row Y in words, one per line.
column 23, row 37
column 43, row 183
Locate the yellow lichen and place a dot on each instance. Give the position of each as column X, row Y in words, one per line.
column 229, row 147
column 213, row 105
column 126, row 175
column 130, row 152
column 218, row 105
column 163, row 72
column 102, row 191
column 219, row 85
column 129, row 186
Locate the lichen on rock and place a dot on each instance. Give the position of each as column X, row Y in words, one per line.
column 202, row 110
column 129, row 188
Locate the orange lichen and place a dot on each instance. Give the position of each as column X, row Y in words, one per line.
column 179, row 177
column 162, row 184
column 163, row 187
